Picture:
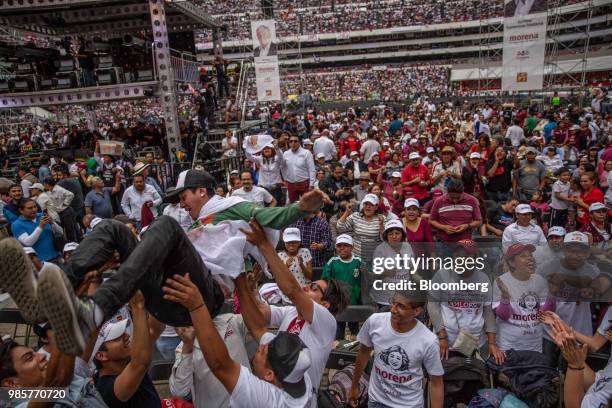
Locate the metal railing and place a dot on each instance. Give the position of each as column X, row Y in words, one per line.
column 185, row 67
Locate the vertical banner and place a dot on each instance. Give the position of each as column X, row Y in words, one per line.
column 524, row 45
column 265, row 53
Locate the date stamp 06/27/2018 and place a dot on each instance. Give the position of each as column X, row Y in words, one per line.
column 47, row 394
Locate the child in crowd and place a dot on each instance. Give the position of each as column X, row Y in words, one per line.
column 561, row 201
column 298, row 260
column 345, row 267
column 574, row 193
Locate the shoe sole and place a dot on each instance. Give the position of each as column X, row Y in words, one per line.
column 18, row 279
column 57, row 301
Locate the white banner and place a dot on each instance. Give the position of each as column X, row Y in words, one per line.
column 268, row 79
column 524, row 45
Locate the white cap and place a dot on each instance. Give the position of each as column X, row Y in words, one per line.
column 557, row 231
column 411, row 202
column 414, row 141
column 414, row 155
column 354, row 153
column 109, row 331
column 292, row 235
column 70, row 246
column 597, row 206
column 29, row 251
column 385, row 143
column 576, row 237
column 396, row 174
column 523, row 209
column 320, row 155
column 38, row 186
column 394, row 224
column 430, row 150
column 95, row 221
column 370, row 198
column 475, row 155
column 307, row 142
column 344, row 239
column 270, row 145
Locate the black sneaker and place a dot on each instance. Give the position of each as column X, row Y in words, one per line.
column 72, row 319
column 18, row 278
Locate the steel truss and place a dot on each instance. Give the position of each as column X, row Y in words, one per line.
column 557, row 43
column 490, row 30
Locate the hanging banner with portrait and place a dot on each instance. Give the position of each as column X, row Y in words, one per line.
column 265, row 53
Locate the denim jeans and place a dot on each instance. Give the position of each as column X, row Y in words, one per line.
column 167, row 345
column 164, row 251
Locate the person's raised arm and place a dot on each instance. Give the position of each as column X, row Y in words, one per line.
column 363, row 356
column 284, row 278
column 129, row 380
column 181, row 290
column 253, row 318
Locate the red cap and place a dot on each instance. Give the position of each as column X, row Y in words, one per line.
column 468, row 245
column 516, row 249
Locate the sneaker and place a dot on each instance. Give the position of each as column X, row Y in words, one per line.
column 72, row 319
column 18, row 278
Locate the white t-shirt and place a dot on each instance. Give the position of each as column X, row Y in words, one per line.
column 258, row 195
column 399, row 358
column 600, row 392
column 318, row 336
column 523, row 330
column 462, row 310
column 575, row 313
column 251, row 392
column 294, row 268
column 225, row 144
column 564, row 189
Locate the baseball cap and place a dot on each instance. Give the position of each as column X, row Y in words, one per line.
column 95, row 222
column 518, row 248
column 411, row 202
column 391, row 224
column 448, row 149
column 292, row 235
column 396, row 174
column 414, row 156
column 385, row 143
column 192, row 179
column 320, row 156
column 344, row 239
column 576, row 237
column 557, row 231
column 523, row 209
column 354, row 153
column 70, row 246
column 430, row 150
column 370, row 198
column 468, row 245
column 38, row 186
column 531, row 149
column 475, row 155
column 170, row 197
column 307, row 142
column 289, row 359
column 108, row 332
column 29, row 251
column 597, row 206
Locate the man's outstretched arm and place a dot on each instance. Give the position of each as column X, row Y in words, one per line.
column 284, row 279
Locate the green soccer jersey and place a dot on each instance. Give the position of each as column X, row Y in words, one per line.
column 346, row 271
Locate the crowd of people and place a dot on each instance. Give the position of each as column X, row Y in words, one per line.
column 110, row 263
column 339, row 17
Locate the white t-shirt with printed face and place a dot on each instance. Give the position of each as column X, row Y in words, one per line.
column 399, row 358
column 523, row 330
column 573, row 311
column 462, row 310
column 251, row 392
column 318, row 336
column 600, row 392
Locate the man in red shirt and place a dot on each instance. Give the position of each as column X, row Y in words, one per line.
column 455, row 214
column 416, row 175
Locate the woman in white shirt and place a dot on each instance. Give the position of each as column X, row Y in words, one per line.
column 551, row 160
column 269, row 164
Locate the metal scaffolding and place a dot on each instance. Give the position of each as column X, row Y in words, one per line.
column 489, row 51
column 560, row 27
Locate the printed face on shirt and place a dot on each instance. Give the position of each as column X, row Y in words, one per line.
column 396, row 358
column 529, row 301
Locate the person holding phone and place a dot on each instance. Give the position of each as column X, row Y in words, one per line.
column 34, row 229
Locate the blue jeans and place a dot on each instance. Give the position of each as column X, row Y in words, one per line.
column 167, row 345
